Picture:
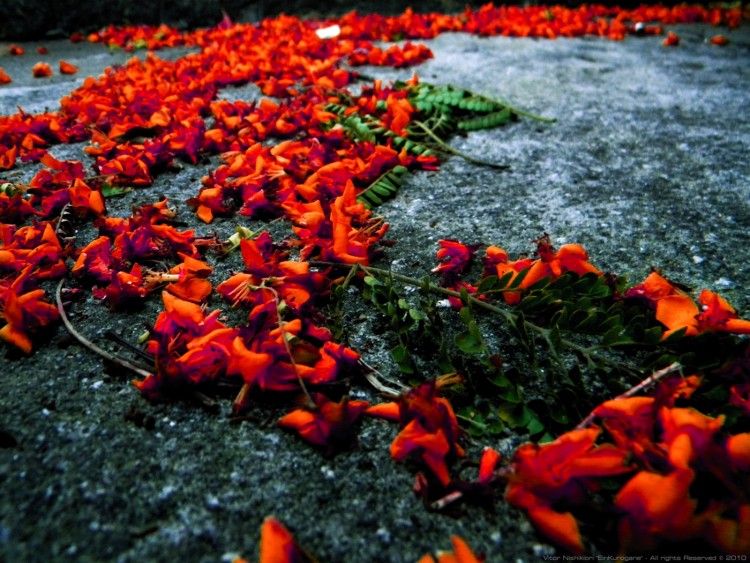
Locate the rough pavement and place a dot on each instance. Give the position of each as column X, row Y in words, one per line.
column 647, row 165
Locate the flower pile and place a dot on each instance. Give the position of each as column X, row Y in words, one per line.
column 320, row 157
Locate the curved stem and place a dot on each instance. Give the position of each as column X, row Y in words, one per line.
column 90, row 345
column 650, row 380
column 287, row 348
column 447, row 148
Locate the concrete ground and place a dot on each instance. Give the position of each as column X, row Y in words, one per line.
column 647, row 165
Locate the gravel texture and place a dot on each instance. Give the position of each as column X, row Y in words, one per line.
column 647, row 165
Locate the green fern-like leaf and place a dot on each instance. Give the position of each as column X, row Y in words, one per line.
column 488, row 121
column 385, row 187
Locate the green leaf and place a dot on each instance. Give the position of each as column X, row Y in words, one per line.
column 487, row 284
column 469, row 343
column 652, row 336
column 519, row 278
column 109, row 190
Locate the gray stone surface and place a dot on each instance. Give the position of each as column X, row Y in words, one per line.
column 647, row 165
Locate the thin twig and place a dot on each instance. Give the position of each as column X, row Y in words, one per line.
column 280, row 323
column 446, row 147
column 90, row 345
column 114, row 337
column 376, row 383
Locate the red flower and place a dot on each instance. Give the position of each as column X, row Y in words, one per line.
column 256, row 368
column 123, row 288
column 188, row 279
column 67, row 68
column 672, row 40
column 559, row 473
column 462, row 553
column 41, row 70
column 429, row 428
column 277, row 545
column 4, row 79
column 719, row 40
column 95, row 260
column 24, row 314
column 569, row 258
column 651, row 517
column 454, row 256
column 328, row 424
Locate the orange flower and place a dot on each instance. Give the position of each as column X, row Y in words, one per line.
column 67, row 68
column 630, row 421
column 719, row 40
column 4, row 79
column 24, row 314
column 497, row 263
column 678, row 312
column 329, row 424
column 277, row 544
column 41, row 70
column 561, row 471
column 672, row 40
column 687, row 434
column 351, row 245
column 657, row 507
column 429, row 428
column 432, row 447
column 95, row 259
column 462, row 553
column 738, row 449
column 191, row 283
column 256, row 368
column 487, row 464
column 570, row 258
column 718, row 314
column 654, row 287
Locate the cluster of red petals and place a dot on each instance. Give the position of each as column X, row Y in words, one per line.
column 277, row 545
column 429, row 428
column 461, row 553
column 677, row 311
column 674, row 307
column 514, row 21
column 671, row 453
column 550, row 263
column 41, row 70
column 191, row 347
column 28, row 255
column 113, row 261
column 329, row 424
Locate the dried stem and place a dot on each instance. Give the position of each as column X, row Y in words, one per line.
column 90, row 345
column 650, row 380
column 447, row 148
